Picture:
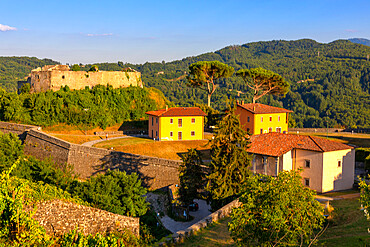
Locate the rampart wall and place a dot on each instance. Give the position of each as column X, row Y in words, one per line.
column 18, row 129
column 59, row 217
column 42, row 81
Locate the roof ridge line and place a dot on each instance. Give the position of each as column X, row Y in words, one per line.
column 316, row 143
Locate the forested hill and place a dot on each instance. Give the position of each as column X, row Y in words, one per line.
column 328, row 81
column 13, row 69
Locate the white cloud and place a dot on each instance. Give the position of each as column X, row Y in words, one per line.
column 95, row 35
column 5, row 28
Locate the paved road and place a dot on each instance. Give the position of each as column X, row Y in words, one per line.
column 91, row 143
column 175, row 226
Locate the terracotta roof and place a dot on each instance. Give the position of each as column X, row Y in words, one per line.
column 276, row 144
column 177, row 111
column 261, row 108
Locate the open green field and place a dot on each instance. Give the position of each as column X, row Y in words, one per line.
column 348, row 227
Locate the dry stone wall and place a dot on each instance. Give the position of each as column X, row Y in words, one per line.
column 59, row 217
column 18, row 129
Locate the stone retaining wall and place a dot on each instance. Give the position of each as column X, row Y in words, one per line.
column 155, row 173
column 18, row 129
column 216, row 216
column 59, row 217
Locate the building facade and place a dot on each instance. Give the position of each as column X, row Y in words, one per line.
column 325, row 165
column 176, row 124
column 259, row 119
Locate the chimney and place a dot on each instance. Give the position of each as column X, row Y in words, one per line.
column 166, row 107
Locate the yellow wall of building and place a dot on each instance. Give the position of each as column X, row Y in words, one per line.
column 266, row 123
column 187, row 127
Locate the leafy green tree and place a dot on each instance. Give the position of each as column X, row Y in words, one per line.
column 115, row 191
column 276, row 212
column 11, row 149
column 26, row 88
column 17, row 228
column 229, row 168
column 94, row 68
column 203, row 75
column 191, row 176
column 263, row 82
column 76, row 67
column 365, row 197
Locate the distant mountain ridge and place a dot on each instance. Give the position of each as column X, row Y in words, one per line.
column 361, row 41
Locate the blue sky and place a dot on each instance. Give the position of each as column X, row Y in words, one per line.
column 140, row 31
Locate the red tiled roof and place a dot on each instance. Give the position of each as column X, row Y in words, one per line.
column 276, row 144
column 177, row 111
column 261, row 108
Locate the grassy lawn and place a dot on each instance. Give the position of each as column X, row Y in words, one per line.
column 360, row 140
column 348, row 227
column 215, row 235
column 162, row 149
column 340, row 193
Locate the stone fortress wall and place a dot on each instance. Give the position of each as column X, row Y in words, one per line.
column 53, row 77
column 156, row 173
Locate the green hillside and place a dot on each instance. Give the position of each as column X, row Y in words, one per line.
column 330, row 83
column 338, row 90
column 13, row 69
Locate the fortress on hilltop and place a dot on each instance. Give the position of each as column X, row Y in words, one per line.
column 53, row 77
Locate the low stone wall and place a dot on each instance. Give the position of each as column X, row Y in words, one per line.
column 43, row 146
column 219, row 214
column 315, row 130
column 59, row 217
column 18, row 129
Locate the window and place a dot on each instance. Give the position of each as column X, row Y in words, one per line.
column 171, row 120
column 192, row 133
column 248, row 119
column 307, row 164
column 278, row 129
column 248, row 130
column 152, row 121
column 179, row 135
column 261, row 119
column 156, row 120
column 63, row 77
column 156, row 133
column 171, row 133
column 279, row 118
column 270, row 119
column 180, row 123
column 270, row 129
column 339, row 163
column 261, row 131
column 307, row 182
column 152, row 134
column 193, row 120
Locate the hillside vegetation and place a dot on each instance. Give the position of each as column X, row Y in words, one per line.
column 13, row 69
column 88, row 108
column 330, row 83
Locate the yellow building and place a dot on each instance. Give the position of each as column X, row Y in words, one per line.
column 177, row 123
column 259, row 119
